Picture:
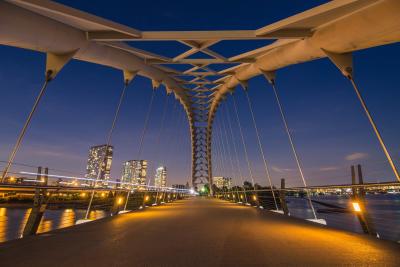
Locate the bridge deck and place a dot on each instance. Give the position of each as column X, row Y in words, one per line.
column 199, row 232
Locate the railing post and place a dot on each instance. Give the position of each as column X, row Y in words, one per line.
column 359, row 198
column 39, row 205
column 118, row 203
column 282, row 197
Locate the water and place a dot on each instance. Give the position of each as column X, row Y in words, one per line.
column 384, row 211
column 13, row 220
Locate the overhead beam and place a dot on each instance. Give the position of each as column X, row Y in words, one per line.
column 74, row 17
column 198, row 35
column 290, row 33
column 139, row 52
column 108, row 36
column 313, row 18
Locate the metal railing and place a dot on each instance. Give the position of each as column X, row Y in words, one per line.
column 371, row 208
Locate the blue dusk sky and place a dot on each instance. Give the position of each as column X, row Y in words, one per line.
column 329, row 127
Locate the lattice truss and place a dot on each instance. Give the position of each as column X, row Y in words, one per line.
column 199, row 77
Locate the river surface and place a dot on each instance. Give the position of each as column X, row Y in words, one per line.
column 13, row 220
column 384, row 211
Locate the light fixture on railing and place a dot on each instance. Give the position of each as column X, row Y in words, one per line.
column 356, row 207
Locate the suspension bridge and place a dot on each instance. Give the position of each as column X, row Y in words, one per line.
column 238, row 223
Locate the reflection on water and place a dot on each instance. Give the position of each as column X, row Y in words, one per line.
column 3, row 224
column 13, row 220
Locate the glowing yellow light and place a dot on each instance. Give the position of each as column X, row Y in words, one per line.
column 241, row 196
column 234, row 196
column 120, row 199
column 103, row 194
column 146, row 198
column 12, row 179
column 160, row 197
column 47, row 194
column 356, row 207
column 254, row 197
column 83, row 194
column 174, row 195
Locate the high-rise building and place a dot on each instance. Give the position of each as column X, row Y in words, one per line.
column 179, row 186
column 135, row 172
column 221, row 182
column 99, row 162
column 161, row 177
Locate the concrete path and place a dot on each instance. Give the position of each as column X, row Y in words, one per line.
column 199, row 232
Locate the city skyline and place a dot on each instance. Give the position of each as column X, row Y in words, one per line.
column 99, row 162
column 160, row 178
column 323, row 114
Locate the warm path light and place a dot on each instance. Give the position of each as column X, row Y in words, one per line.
column 356, row 207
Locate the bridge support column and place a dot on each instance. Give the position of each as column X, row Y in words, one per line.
column 282, row 197
column 118, row 204
column 359, row 199
column 39, row 204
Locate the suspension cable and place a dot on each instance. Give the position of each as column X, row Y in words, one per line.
column 261, row 148
column 228, row 148
column 25, row 127
column 236, row 152
column 377, row 133
column 219, row 152
column 227, row 139
column 164, row 112
column 182, row 134
column 106, row 148
column 146, row 122
column 224, row 149
column 178, row 137
column 243, row 143
column 215, row 156
column 293, row 148
column 156, row 156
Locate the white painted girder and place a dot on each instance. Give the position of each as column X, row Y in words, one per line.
column 22, row 28
column 372, row 26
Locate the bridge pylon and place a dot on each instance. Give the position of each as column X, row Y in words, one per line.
column 200, row 131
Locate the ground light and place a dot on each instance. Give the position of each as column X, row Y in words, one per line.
column 356, row 207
